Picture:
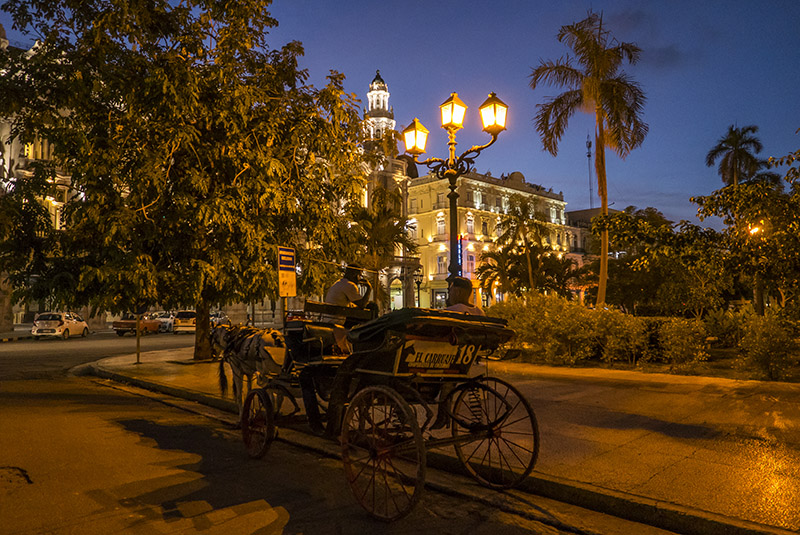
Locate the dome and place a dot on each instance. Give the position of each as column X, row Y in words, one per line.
column 377, row 82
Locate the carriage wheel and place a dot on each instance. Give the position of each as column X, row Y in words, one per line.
column 506, row 442
column 258, row 424
column 383, row 453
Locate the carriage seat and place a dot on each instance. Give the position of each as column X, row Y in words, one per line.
column 310, row 341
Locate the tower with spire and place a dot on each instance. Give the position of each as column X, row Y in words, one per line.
column 379, row 116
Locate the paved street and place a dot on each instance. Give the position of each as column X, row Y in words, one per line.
column 28, row 358
column 729, row 447
column 716, row 455
column 82, row 457
column 690, row 454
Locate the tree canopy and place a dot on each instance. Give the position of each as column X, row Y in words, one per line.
column 194, row 147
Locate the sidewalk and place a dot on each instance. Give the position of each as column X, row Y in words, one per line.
column 22, row 331
column 686, row 454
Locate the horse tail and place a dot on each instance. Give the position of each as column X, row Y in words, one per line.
column 223, row 379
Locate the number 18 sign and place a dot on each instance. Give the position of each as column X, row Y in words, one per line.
column 287, row 276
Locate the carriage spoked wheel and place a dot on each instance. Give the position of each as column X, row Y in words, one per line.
column 506, row 435
column 383, row 453
column 258, row 423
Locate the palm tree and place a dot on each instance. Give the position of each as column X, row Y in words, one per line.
column 595, row 84
column 500, row 267
column 523, row 226
column 379, row 231
column 736, row 152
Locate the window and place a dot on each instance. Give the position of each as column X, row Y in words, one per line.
column 413, row 206
column 484, row 227
column 469, row 196
column 440, row 225
column 441, row 264
column 470, row 263
column 498, row 202
column 470, row 224
column 478, row 199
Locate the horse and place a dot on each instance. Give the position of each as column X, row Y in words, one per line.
column 250, row 352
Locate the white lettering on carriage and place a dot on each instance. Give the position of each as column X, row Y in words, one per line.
column 437, row 355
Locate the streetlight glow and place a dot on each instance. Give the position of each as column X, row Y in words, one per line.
column 493, row 114
column 415, row 137
column 453, row 112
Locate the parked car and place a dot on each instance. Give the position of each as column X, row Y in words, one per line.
column 184, row 322
column 127, row 324
column 218, row 318
column 59, row 324
column 165, row 320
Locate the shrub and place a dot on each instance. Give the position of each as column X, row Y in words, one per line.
column 551, row 328
column 767, row 347
column 725, row 326
column 683, row 342
column 621, row 337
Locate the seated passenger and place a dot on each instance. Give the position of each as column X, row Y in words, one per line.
column 345, row 293
column 459, row 294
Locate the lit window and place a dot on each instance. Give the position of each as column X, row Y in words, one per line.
column 441, row 264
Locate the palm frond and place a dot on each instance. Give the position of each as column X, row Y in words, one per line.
column 553, row 117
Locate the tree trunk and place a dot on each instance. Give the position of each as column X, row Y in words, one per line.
column 530, row 268
column 6, row 306
column 602, row 190
column 758, row 292
column 202, row 340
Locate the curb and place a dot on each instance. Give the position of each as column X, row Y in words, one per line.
column 656, row 513
column 15, row 338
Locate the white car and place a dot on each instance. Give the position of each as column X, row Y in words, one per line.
column 59, row 325
column 165, row 319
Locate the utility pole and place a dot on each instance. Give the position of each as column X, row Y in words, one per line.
column 589, row 167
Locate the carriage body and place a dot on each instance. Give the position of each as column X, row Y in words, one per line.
column 426, row 344
column 379, row 402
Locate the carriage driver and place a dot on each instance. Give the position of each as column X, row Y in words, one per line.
column 345, row 293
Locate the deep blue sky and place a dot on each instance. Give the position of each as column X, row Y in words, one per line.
column 705, row 65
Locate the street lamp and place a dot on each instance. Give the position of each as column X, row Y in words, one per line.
column 493, row 115
column 418, row 282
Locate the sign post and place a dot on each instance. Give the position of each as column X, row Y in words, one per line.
column 287, row 276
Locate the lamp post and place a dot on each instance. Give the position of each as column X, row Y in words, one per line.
column 493, row 115
column 418, row 282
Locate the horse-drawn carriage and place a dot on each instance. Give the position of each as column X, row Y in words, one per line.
column 410, row 384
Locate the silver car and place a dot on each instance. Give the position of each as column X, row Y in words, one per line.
column 59, row 325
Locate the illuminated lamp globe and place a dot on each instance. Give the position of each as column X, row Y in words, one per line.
column 415, row 137
column 453, row 111
column 493, row 115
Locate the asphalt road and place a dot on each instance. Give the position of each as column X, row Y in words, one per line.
column 37, row 359
column 82, row 455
